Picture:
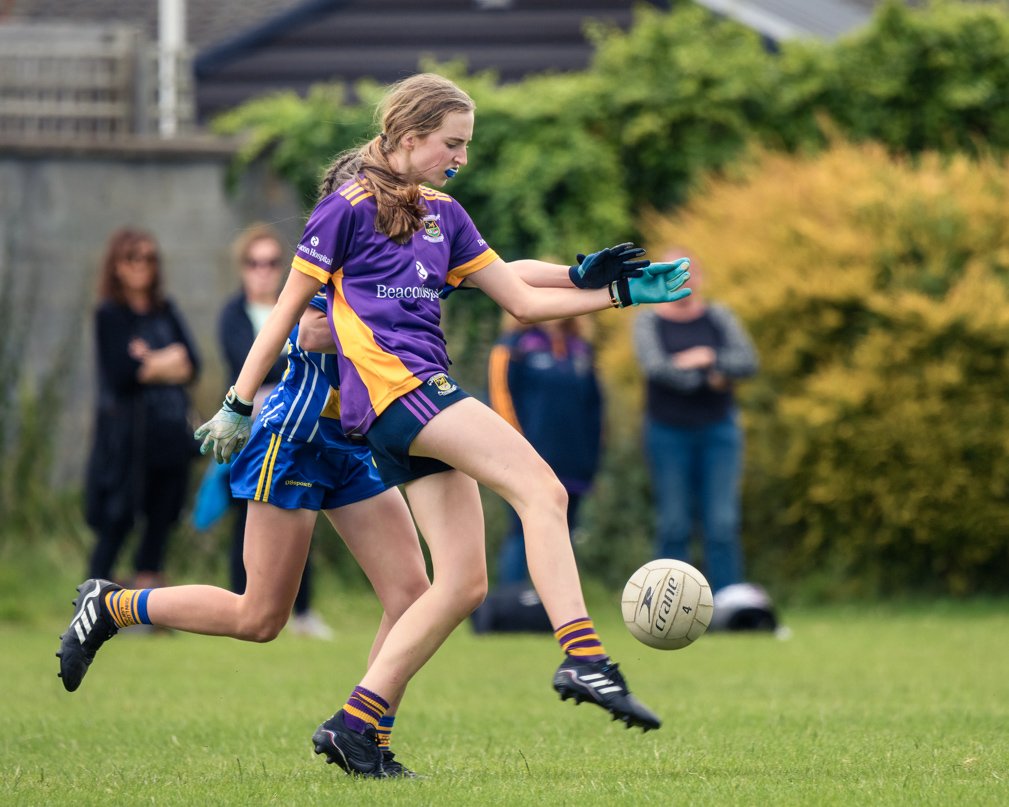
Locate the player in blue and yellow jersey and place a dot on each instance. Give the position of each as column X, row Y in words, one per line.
column 297, row 462
column 386, row 247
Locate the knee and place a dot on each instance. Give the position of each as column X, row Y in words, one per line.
column 546, row 492
column 467, row 594
column 405, row 595
column 471, row 598
column 261, row 626
column 723, row 528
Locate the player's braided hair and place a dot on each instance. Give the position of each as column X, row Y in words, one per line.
column 415, row 106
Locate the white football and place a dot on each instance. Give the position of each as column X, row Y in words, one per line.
column 667, row 604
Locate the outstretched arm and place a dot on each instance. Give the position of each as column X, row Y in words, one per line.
column 659, row 283
column 594, row 271
column 531, row 304
column 541, row 275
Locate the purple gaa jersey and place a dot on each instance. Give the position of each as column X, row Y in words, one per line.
column 384, row 307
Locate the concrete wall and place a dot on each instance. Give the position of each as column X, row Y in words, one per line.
column 57, row 208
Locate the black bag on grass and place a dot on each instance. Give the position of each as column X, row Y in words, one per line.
column 514, row 608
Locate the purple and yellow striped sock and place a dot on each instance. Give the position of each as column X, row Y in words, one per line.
column 363, row 709
column 128, row 606
column 385, row 730
column 578, row 638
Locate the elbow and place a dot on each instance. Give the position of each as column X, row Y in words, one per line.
column 313, row 342
column 524, row 314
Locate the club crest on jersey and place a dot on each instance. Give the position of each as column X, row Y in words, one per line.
column 442, row 383
column 432, row 232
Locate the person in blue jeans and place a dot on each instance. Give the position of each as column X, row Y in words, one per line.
column 692, row 353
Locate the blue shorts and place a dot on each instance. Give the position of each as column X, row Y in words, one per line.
column 389, row 437
column 294, row 475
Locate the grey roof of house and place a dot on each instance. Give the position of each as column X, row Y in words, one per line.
column 788, row 19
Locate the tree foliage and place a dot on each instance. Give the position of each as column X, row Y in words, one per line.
column 563, row 163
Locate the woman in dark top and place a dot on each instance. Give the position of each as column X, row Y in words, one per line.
column 139, row 462
column 692, row 353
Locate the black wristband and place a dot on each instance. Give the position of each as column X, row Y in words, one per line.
column 623, row 289
column 236, row 404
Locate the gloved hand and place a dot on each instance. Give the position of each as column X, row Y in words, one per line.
column 227, row 431
column 660, row 283
column 598, row 270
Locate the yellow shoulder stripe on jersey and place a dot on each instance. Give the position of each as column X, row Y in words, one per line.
column 431, row 193
column 457, row 275
column 311, row 270
column 383, row 374
column 355, row 193
column 352, row 190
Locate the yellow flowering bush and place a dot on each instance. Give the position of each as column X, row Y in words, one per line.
column 878, row 427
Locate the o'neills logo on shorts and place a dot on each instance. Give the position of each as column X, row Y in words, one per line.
column 405, row 292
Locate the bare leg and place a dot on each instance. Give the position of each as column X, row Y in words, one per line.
column 276, row 547
column 448, row 511
column 477, row 441
column 481, row 446
column 382, row 538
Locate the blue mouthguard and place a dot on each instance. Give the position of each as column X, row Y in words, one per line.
column 451, row 172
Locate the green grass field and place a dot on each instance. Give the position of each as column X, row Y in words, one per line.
column 880, row 705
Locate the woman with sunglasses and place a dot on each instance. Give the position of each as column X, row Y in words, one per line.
column 139, row 462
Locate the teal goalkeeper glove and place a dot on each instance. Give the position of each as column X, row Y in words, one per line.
column 227, row 431
column 660, row 283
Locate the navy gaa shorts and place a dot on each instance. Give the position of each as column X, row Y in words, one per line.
column 389, row 437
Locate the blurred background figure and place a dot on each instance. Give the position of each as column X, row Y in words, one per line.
column 259, row 259
column 543, row 382
column 143, row 439
column 692, row 352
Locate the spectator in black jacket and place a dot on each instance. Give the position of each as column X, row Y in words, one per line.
column 143, row 442
column 258, row 256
